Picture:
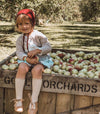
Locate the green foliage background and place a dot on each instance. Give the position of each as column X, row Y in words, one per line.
column 53, row 10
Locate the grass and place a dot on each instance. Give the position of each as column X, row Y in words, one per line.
column 74, row 36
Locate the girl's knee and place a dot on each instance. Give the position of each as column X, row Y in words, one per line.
column 37, row 69
column 23, row 67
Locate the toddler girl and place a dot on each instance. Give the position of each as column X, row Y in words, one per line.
column 32, row 48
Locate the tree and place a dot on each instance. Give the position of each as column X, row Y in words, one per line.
column 53, row 10
column 90, row 10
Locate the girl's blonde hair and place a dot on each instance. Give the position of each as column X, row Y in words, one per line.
column 21, row 18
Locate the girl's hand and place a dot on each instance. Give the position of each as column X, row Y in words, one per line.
column 32, row 53
column 32, row 60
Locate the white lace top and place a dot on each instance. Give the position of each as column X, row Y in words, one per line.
column 36, row 40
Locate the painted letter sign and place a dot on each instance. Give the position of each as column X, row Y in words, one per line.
column 58, row 84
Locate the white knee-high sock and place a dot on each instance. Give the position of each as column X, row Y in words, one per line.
column 36, row 87
column 19, row 85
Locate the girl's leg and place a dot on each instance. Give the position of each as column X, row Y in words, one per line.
column 19, row 85
column 36, row 81
column 36, row 85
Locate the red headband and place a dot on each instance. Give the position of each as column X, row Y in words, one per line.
column 29, row 13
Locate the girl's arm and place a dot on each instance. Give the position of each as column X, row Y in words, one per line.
column 32, row 53
column 45, row 45
column 19, row 48
column 42, row 45
column 44, row 49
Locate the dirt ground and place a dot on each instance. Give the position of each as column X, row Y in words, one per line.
column 74, row 36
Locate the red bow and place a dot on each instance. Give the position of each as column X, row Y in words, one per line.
column 27, row 12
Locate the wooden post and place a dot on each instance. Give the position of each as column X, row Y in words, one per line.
column 1, row 100
column 47, row 103
column 82, row 101
column 96, row 100
column 64, row 103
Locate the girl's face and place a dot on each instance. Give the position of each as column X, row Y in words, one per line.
column 25, row 26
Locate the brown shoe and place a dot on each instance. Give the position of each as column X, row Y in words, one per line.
column 33, row 108
column 18, row 105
